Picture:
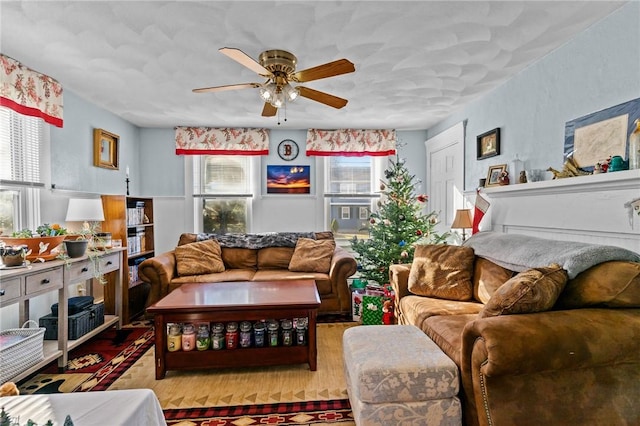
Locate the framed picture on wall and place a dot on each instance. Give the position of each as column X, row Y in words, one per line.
column 488, row 144
column 494, row 174
column 288, row 179
column 105, row 149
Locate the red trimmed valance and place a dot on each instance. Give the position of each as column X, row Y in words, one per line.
column 351, row 142
column 29, row 92
column 221, row 141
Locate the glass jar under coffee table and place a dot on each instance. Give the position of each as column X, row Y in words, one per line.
column 226, row 302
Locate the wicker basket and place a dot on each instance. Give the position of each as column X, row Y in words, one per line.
column 16, row 357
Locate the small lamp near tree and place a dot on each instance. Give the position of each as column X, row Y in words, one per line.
column 462, row 221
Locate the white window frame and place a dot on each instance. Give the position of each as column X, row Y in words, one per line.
column 345, row 212
column 26, row 141
column 200, row 195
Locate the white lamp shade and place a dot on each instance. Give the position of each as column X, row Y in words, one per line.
column 85, row 210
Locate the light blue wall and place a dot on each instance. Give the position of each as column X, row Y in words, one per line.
column 161, row 169
column 597, row 69
column 72, row 149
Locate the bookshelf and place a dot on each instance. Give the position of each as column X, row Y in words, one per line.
column 130, row 220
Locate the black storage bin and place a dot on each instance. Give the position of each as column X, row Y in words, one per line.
column 79, row 324
column 76, row 304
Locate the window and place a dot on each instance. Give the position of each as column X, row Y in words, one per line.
column 21, row 142
column 350, row 183
column 223, row 193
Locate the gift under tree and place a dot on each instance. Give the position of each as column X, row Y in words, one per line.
column 396, row 227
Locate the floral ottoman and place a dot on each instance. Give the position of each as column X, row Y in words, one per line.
column 396, row 375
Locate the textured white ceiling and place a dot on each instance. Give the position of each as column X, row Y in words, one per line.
column 416, row 61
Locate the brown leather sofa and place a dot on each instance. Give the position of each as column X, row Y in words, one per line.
column 255, row 264
column 576, row 362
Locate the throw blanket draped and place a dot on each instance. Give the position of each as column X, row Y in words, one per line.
column 257, row 241
column 520, row 252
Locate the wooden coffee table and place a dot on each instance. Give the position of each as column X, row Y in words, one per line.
column 236, row 301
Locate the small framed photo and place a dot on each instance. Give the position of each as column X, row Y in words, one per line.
column 105, row 149
column 488, row 144
column 494, row 174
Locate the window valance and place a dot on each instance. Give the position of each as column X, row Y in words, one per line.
column 351, row 142
column 221, row 141
column 31, row 93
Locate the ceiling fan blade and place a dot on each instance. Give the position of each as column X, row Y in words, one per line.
column 269, row 110
column 322, row 97
column 228, row 87
column 243, row 59
column 330, row 69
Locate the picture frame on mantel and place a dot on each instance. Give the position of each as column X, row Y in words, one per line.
column 493, row 176
column 105, row 149
column 488, row 144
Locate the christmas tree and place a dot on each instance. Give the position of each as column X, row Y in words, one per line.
column 396, row 227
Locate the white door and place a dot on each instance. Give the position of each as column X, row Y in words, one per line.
column 445, row 174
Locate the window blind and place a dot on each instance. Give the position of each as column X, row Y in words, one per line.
column 20, row 146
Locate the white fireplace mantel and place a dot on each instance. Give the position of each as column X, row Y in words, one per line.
column 594, row 208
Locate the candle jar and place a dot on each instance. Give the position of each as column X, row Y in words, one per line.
column 232, row 335
column 217, row 336
column 272, row 331
column 301, row 333
column 174, row 338
column 188, row 337
column 258, row 334
column 245, row 334
column 203, row 341
column 287, row 332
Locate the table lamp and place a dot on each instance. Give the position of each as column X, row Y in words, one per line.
column 85, row 210
column 462, row 221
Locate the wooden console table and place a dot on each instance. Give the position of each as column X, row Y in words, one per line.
column 236, row 301
column 19, row 285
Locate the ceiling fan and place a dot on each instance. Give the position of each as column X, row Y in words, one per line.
column 279, row 68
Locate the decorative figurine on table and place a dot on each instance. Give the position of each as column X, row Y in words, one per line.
column 503, row 179
column 523, row 177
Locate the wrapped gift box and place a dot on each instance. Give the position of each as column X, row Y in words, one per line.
column 377, row 306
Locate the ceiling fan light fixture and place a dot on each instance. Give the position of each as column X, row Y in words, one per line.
column 278, row 99
column 267, row 91
column 291, row 92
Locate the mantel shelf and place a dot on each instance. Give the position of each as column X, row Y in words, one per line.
column 626, row 179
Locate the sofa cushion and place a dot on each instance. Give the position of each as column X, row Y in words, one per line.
column 227, row 275
column 275, row 257
column 534, row 290
column 487, row 278
column 240, row 258
column 187, row 238
column 312, row 255
column 417, row 309
column 446, row 331
column 203, row 257
column 614, row 284
column 442, row 271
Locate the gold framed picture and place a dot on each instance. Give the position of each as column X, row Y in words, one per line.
column 494, row 174
column 105, row 149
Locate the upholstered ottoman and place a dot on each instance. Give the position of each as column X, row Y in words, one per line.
column 396, row 375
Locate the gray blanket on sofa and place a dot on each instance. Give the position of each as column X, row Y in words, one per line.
column 257, row 241
column 521, row 252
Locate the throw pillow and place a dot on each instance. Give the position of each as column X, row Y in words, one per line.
column 533, row 290
column 203, row 257
column 312, row 255
column 442, row 271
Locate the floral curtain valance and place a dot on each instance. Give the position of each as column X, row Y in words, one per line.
column 351, row 142
column 29, row 92
column 221, row 141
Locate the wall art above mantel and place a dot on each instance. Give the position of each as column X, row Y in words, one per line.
column 597, row 136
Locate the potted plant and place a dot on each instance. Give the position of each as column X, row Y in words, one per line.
column 40, row 245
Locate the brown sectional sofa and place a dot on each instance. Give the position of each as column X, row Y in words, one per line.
column 574, row 362
column 268, row 260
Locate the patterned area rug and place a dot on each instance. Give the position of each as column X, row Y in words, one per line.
column 293, row 413
column 280, row 395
